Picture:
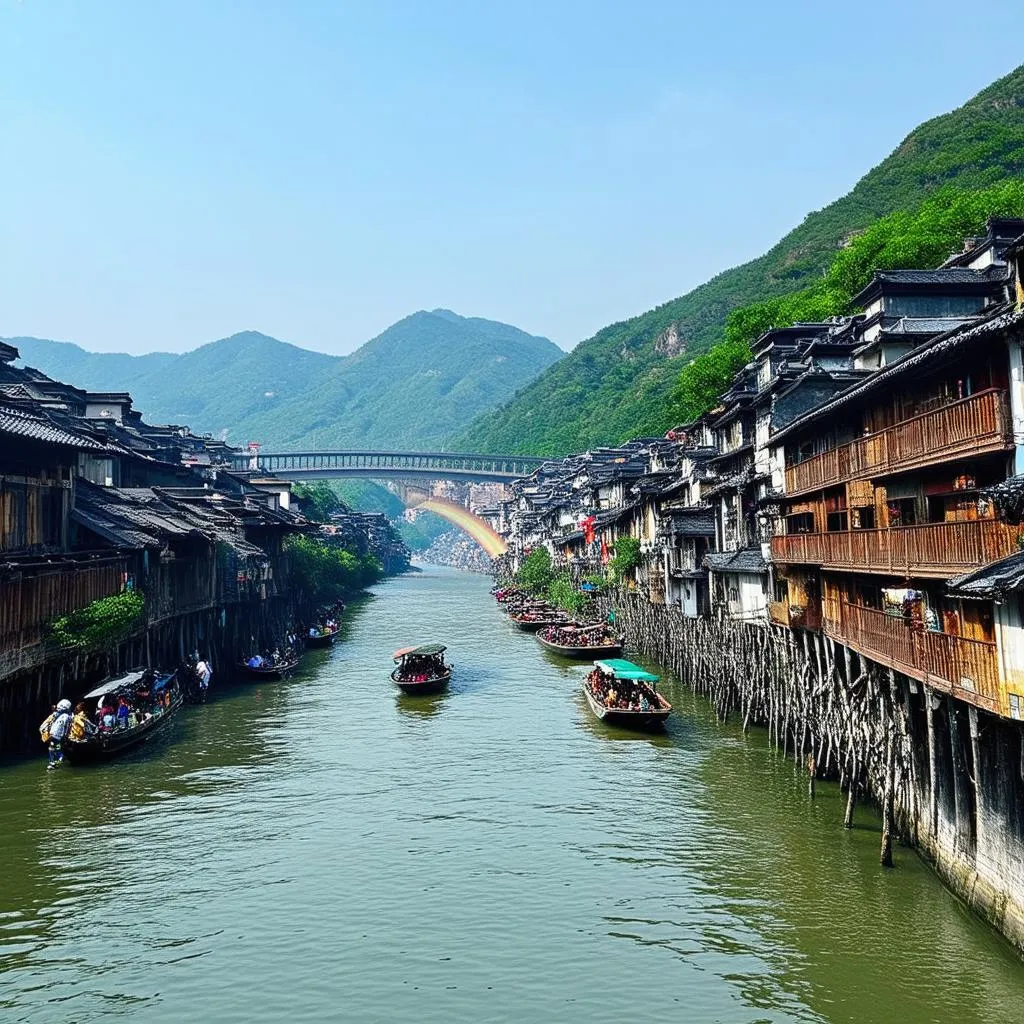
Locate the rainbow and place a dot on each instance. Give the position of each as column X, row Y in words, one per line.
column 460, row 516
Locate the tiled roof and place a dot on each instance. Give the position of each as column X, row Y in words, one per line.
column 991, row 581
column 945, row 344
column 21, row 423
column 946, row 275
column 744, row 560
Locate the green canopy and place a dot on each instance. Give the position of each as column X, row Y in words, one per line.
column 625, row 670
column 427, row 650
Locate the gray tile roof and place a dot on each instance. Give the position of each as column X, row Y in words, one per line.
column 21, row 423
column 744, row 560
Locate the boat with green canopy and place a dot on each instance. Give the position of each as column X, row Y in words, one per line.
column 624, row 694
column 421, row 669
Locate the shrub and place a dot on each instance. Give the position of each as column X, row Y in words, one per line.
column 103, row 623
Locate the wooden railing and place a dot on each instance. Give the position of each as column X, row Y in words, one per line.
column 970, row 426
column 931, row 549
column 965, row 668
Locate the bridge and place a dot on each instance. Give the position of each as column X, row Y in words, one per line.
column 407, row 468
column 380, row 465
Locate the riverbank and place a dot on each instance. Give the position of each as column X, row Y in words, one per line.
column 492, row 853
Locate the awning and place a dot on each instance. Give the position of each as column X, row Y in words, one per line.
column 110, row 685
column 625, row 670
column 424, row 651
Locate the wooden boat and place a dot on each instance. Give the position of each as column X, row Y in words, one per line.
column 595, row 642
column 324, row 639
column 103, row 746
column 421, row 669
column 631, row 680
column 278, row 670
column 537, row 615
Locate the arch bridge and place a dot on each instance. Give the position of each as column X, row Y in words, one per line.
column 380, row 465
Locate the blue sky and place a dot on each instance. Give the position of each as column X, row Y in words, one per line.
column 173, row 172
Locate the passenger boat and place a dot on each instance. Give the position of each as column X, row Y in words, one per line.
column 638, row 704
column 589, row 642
column 276, row 669
column 155, row 699
column 322, row 638
column 536, row 616
column 421, row 669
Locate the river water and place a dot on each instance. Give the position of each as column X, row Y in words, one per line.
column 325, row 849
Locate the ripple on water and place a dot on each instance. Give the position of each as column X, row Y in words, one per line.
column 326, row 847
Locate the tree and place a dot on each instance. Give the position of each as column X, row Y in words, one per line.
column 323, row 571
column 535, row 574
column 627, row 557
column 318, row 501
column 564, row 594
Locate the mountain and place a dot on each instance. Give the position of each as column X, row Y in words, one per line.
column 415, row 385
column 617, row 384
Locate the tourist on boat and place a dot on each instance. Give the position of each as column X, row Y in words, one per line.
column 256, row 661
column 123, row 712
column 81, row 728
column 54, row 730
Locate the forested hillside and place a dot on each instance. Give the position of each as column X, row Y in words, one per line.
column 414, row 385
column 620, row 383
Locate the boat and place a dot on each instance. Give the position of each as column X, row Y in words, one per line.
column 421, row 669
column 594, row 641
column 157, row 695
column 633, row 685
column 534, row 615
column 323, row 638
column 270, row 669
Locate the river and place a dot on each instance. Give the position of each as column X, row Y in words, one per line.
column 326, row 849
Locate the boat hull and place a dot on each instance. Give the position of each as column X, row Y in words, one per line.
column 423, row 686
column 642, row 721
column 114, row 744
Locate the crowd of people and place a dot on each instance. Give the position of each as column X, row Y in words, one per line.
column 595, row 635
column 327, row 626
column 420, row 668
column 622, row 694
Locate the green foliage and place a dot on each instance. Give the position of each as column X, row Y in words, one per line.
column 706, row 378
column 627, row 557
column 103, row 623
column 618, row 384
column 562, row 593
column 324, row 571
column 413, row 386
column 317, row 501
column 901, row 240
column 535, row 574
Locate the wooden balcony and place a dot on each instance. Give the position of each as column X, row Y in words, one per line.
column 782, row 613
column 966, row 669
column 973, row 426
column 931, row 549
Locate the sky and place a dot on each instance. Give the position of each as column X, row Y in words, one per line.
column 174, row 172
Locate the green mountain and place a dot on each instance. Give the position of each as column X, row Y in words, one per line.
column 415, row 385
column 617, row 384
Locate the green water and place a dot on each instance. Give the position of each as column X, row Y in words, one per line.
column 324, row 849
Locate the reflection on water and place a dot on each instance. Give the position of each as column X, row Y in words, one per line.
column 326, row 847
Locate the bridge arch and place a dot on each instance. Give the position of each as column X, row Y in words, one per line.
column 470, row 523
